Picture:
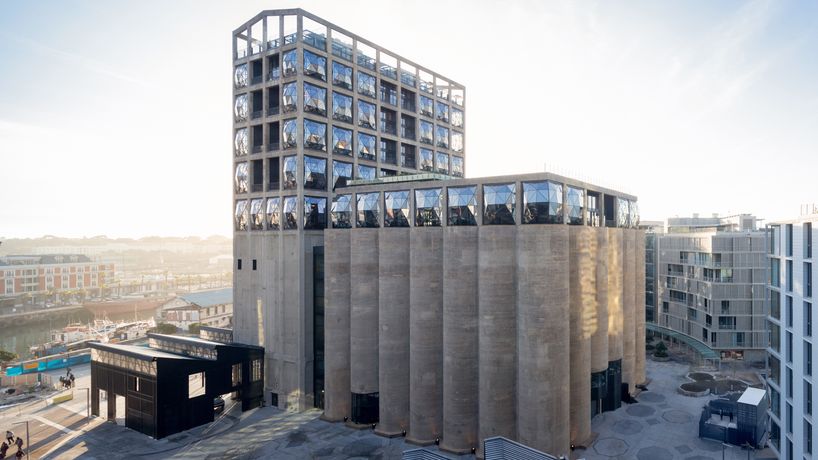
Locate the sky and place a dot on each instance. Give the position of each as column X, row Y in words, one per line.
column 115, row 116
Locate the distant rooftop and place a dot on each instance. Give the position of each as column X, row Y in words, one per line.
column 210, row 298
column 144, row 353
column 43, row 259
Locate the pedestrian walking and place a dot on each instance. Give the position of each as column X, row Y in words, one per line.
column 3, row 449
column 19, row 454
column 10, row 437
column 19, row 443
column 72, row 380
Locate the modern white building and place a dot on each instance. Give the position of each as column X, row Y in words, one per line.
column 791, row 284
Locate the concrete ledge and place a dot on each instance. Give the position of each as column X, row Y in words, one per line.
column 694, row 394
column 388, row 434
column 419, row 442
column 443, row 448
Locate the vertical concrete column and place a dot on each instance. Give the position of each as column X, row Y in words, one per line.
column 426, row 335
column 615, row 295
column 363, row 330
column 542, row 338
column 336, row 324
column 599, row 322
column 639, row 370
column 460, row 376
column 629, row 307
column 497, row 309
column 582, row 281
column 393, row 331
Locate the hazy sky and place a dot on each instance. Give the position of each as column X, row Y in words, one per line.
column 115, row 117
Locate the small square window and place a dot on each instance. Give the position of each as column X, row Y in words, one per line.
column 238, row 266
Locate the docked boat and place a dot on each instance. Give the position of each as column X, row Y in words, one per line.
column 126, row 304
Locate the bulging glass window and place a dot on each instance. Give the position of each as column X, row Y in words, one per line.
column 369, row 209
column 457, row 118
column 366, row 115
column 241, row 215
column 341, row 213
column 241, row 178
column 315, row 65
column 315, row 213
column 428, row 204
column 257, row 214
column 498, row 204
column 427, row 106
column 396, row 209
column 341, row 141
column 623, row 217
column 290, row 169
column 342, row 75
column 574, row 204
column 457, row 166
column 240, row 76
column 289, row 134
column 240, row 142
column 240, row 108
column 315, row 173
column 366, row 172
column 274, row 213
column 315, row 135
column 341, row 170
column 341, row 107
column 426, row 132
column 442, row 111
column 366, row 147
column 457, row 96
column 366, row 85
column 634, row 214
column 289, row 63
column 442, row 137
column 290, row 214
column 542, row 203
column 315, row 99
column 457, row 141
column 462, row 205
column 427, row 160
column 442, row 163
column 289, row 97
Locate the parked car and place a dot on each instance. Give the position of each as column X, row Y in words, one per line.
column 218, row 405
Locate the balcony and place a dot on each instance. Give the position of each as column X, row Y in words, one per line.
column 315, row 40
column 272, row 111
column 407, row 78
column 273, row 186
column 366, row 61
column 256, row 114
column 341, row 50
column 273, row 147
column 256, row 149
column 257, row 188
column 256, row 80
column 389, row 71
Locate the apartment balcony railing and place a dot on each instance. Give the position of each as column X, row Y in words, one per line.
column 272, row 186
column 407, row 78
column 388, row 129
column 257, row 188
column 256, row 79
column 273, row 146
column 341, row 50
column 256, row 114
column 366, row 61
column 256, row 149
column 272, row 111
column 315, row 40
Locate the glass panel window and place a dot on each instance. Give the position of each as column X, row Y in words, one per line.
column 342, row 75
column 290, row 168
column 240, row 142
column 623, row 213
column 289, row 134
column 240, row 108
column 807, row 319
column 442, row 111
column 427, row 160
column 366, row 115
column 341, row 170
column 289, row 63
column 315, row 99
column 426, row 132
column 240, row 76
column 457, row 166
column 389, row 152
column 273, row 213
column 457, row 141
column 315, row 173
column 289, row 97
column 369, row 211
column 427, row 106
column 366, row 147
column 341, row 141
column 341, row 107
column 396, row 209
column 407, row 156
column 457, row 96
column 290, row 221
column 428, row 204
column 366, row 84
column 257, row 214
column 574, row 205
column 315, row 65
column 542, row 203
column 240, row 178
column 498, row 203
column 366, row 172
column 315, row 135
column 388, row 66
column 457, row 118
column 315, row 213
column 442, row 137
column 807, row 279
column 241, row 215
column 462, row 205
column 634, row 213
column 342, row 211
column 442, row 163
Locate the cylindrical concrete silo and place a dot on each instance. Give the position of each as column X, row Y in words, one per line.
column 629, row 307
column 426, row 335
column 393, row 331
column 639, row 378
column 363, row 336
column 460, row 378
column 497, row 298
column 542, row 338
column 336, row 325
column 599, row 337
column 582, row 262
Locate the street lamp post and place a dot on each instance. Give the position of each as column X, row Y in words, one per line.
column 28, row 445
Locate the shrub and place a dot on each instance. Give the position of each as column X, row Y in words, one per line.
column 661, row 350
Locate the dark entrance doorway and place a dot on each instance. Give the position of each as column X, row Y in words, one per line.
column 318, row 325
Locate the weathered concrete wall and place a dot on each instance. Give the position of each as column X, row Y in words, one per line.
column 393, row 331
column 599, row 336
column 542, row 338
column 364, row 311
column 615, row 295
column 639, row 370
column 497, row 304
column 426, row 335
column 629, row 306
column 582, row 275
column 460, row 345
column 337, row 324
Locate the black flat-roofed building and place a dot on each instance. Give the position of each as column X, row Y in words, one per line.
column 170, row 386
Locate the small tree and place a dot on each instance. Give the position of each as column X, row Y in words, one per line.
column 164, row 328
column 7, row 356
column 661, row 350
column 194, row 328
